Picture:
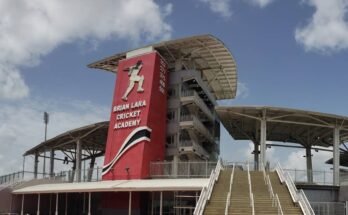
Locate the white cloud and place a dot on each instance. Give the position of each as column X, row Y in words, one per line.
column 22, row 126
column 221, row 7
column 327, row 30
column 242, row 90
column 260, row 3
column 31, row 29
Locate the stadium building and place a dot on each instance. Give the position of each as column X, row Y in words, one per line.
column 160, row 149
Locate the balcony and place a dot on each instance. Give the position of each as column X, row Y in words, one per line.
column 188, row 121
column 192, row 97
column 191, row 146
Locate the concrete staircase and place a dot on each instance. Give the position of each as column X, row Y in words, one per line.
column 240, row 200
column 262, row 199
column 217, row 202
column 289, row 207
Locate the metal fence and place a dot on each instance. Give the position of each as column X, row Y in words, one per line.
column 319, row 177
column 63, row 176
column 181, row 169
column 328, row 208
column 157, row 170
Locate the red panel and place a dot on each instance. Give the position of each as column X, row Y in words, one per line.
column 137, row 129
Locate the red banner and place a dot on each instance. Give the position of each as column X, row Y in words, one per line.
column 137, row 127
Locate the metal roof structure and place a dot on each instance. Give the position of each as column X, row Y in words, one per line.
column 343, row 159
column 307, row 128
column 92, row 138
column 204, row 53
column 190, row 184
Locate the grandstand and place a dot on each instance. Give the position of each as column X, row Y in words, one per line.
column 161, row 146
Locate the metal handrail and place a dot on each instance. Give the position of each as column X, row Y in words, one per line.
column 270, row 188
column 206, row 191
column 304, row 203
column 280, row 172
column 297, row 196
column 228, row 198
column 251, row 195
column 278, row 205
column 288, row 181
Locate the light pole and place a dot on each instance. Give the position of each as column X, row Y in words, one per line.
column 46, row 117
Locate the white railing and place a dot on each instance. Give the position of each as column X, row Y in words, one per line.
column 251, row 195
column 228, row 198
column 206, row 191
column 278, row 205
column 297, row 196
column 270, row 188
column 304, row 203
column 288, row 181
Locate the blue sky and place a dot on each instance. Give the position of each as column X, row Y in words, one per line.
column 289, row 53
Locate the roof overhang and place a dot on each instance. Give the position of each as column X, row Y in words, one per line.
column 140, row 185
column 307, row 128
column 204, row 53
column 93, row 135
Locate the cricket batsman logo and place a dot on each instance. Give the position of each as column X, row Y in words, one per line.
column 133, row 73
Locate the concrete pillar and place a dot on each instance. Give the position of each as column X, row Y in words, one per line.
column 38, row 204
column 22, row 208
column 161, row 203
column 56, row 213
column 90, row 170
column 52, row 163
column 66, row 204
column 78, row 160
column 263, row 133
column 175, row 165
column 336, row 156
column 36, row 163
column 309, row 164
column 89, row 203
column 256, row 155
column 130, row 204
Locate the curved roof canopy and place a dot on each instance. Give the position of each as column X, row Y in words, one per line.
column 307, row 128
column 205, row 53
column 92, row 137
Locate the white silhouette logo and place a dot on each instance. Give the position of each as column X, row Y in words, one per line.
column 133, row 73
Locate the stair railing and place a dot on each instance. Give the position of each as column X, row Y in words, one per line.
column 278, row 205
column 228, row 198
column 206, row 191
column 270, row 189
column 264, row 173
column 297, row 196
column 251, row 195
column 304, row 203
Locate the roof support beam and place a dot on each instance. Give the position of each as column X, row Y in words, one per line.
column 263, row 138
column 336, row 156
column 78, row 160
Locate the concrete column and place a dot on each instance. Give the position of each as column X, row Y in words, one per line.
column 89, row 203
column 175, row 165
column 66, row 204
column 161, row 203
column 78, row 161
column 256, row 155
column 130, row 204
column 52, row 163
column 56, row 213
column 263, row 133
column 22, row 208
column 336, row 156
column 91, row 168
column 309, row 164
column 36, row 163
column 38, row 204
